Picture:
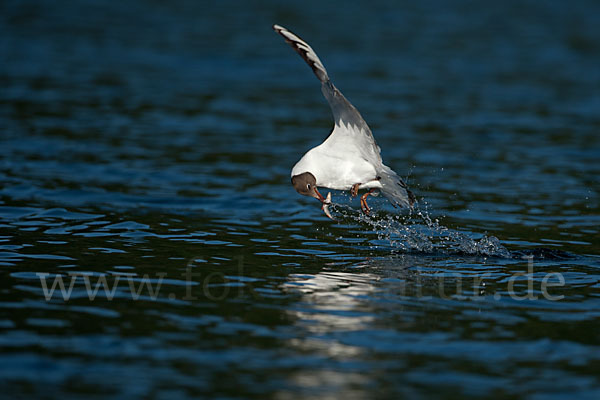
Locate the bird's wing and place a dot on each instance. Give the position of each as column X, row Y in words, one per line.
column 351, row 134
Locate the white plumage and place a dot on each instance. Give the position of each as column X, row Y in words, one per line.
column 349, row 157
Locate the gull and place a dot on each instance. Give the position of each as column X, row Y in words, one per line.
column 349, row 159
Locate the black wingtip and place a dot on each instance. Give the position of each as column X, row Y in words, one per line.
column 411, row 198
column 305, row 51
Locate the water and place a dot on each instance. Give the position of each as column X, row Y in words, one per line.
column 148, row 146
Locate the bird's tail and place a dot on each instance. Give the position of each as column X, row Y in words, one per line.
column 394, row 188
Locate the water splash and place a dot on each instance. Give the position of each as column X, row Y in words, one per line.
column 418, row 232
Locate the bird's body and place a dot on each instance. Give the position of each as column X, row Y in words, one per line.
column 334, row 169
column 349, row 159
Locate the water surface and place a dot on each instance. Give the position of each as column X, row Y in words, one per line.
column 148, row 146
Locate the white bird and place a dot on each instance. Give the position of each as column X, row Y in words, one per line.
column 349, row 159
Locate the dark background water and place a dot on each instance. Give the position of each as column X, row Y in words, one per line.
column 148, row 138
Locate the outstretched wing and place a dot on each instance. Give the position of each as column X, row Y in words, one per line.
column 351, row 134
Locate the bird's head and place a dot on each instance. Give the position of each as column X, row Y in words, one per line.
column 306, row 184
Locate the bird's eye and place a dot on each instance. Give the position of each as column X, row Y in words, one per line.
column 308, row 186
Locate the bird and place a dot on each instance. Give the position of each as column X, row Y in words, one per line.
column 349, row 158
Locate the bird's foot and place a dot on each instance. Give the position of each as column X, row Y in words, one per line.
column 364, row 206
column 354, row 190
column 363, row 202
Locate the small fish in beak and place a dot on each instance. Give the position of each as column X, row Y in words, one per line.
column 325, row 206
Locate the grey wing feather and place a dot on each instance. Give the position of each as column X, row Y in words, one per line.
column 346, row 117
column 394, row 188
column 349, row 121
column 305, row 51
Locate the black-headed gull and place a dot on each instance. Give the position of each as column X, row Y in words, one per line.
column 349, row 159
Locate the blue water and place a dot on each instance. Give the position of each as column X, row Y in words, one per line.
column 147, row 145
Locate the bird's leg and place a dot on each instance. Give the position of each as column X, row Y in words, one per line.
column 355, row 187
column 363, row 202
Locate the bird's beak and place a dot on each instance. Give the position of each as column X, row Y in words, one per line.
column 325, row 202
column 318, row 195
